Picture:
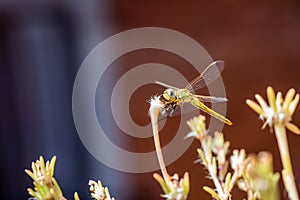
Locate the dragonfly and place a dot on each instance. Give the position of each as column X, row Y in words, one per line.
column 173, row 97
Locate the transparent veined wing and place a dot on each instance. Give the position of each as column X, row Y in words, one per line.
column 211, row 99
column 209, row 75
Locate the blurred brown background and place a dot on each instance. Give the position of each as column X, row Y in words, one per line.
column 42, row 45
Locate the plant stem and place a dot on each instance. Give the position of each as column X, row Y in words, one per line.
column 216, row 181
column 154, row 111
column 233, row 180
column 288, row 177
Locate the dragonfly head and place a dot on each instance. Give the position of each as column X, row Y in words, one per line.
column 169, row 94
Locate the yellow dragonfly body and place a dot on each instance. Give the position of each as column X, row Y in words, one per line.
column 172, row 96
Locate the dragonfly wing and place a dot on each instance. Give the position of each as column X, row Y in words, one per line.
column 209, row 75
column 165, row 85
column 211, row 99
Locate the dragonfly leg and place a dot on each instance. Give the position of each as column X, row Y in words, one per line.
column 173, row 110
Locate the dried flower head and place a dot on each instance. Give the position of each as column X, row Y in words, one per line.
column 278, row 110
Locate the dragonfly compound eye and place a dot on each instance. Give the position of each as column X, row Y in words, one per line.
column 169, row 94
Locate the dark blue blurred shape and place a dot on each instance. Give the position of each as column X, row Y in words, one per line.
column 41, row 48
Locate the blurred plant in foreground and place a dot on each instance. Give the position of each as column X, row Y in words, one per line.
column 47, row 188
column 174, row 188
column 258, row 180
column 45, row 185
column 99, row 192
column 278, row 115
column 212, row 155
column 253, row 174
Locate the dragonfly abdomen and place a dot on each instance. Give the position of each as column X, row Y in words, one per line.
column 198, row 104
